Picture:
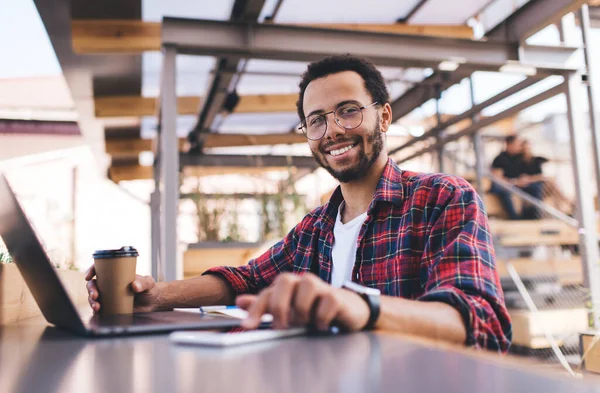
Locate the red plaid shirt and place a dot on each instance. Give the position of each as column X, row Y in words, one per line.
column 426, row 237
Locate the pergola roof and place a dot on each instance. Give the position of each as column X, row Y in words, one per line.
column 112, row 65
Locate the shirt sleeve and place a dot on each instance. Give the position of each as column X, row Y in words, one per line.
column 499, row 162
column 460, row 267
column 260, row 272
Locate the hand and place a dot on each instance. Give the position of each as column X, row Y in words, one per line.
column 523, row 181
column 146, row 290
column 304, row 300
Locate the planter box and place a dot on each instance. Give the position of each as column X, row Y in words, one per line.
column 528, row 327
column 200, row 257
column 592, row 353
column 16, row 300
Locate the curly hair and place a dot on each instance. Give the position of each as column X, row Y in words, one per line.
column 374, row 82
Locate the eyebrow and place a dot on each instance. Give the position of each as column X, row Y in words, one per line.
column 320, row 111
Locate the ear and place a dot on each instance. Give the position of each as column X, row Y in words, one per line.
column 386, row 117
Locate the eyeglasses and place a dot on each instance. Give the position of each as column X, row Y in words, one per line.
column 348, row 116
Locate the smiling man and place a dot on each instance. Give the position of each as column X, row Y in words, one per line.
column 392, row 249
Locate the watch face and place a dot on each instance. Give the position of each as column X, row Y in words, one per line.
column 361, row 289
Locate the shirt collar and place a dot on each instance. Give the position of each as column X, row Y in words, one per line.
column 389, row 189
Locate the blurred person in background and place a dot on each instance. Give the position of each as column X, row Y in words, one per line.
column 508, row 166
column 533, row 173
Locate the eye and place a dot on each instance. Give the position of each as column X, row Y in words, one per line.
column 349, row 111
column 316, row 121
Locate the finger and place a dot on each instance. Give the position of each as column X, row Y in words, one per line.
column 94, row 305
column 327, row 310
column 142, row 283
column 309, row 289
column 280, row 301
column 245, row 301
column 90, row 273
column 92, row 288
column 256, row 310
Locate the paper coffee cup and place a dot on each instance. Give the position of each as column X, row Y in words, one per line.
column 115, row 271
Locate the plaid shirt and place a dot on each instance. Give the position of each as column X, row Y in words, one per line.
column 426, row 237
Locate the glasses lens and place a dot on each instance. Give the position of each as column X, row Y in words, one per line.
column 315, row 127
column 349, row 116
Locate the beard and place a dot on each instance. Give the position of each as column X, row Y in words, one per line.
column 364, row 164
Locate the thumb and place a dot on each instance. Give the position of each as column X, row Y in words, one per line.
column 142, row 284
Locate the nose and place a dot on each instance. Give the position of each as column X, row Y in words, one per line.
column 334, row 130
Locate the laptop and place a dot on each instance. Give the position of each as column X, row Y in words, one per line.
column 32, row 261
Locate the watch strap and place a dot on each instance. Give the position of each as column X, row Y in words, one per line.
column 374, row 303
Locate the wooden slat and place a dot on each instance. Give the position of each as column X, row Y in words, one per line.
column 127, row 147
column 130, row 172
column 450, row 31
column 528, row 327
column 137, row 172
column 568, row 271
column 137, row 106
column 135, row 36
column 200, row 171
column 197, row 261
column 115, row 36
column 533, row 232
column 232, row 140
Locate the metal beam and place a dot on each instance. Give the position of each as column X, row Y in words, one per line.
column 421, row 93
column 247, row 161
column 220, row 84
column 477, row 144
column 591, row 90
column 531, row 18
column 169, row 168
column 412, row 12
column 588, row 240
column 282, row 42
column 489, row 120
column 475, row 109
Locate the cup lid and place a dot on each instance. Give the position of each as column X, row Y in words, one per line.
column 127, row 251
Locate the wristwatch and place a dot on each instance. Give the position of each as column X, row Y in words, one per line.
column 371, row 296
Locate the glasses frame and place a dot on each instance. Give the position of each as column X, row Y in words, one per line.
column 304, row 128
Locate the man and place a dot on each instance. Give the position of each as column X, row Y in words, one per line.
column 510, row 166
column 422, row 240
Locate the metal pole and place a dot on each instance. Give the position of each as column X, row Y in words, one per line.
column 591, row 90
column 566, row 29
column 588, row 243
column 155, row 234
column 440, row 136
column 477, row 146
column 74, row 216
column 169, row 167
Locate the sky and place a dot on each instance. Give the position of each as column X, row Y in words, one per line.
column 30, row 55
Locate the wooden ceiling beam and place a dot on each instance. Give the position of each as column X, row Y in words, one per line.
column 135, row 36
column 137, row 106
column 119, row 173
column 129, row 147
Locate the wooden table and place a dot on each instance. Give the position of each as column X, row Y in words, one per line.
column 35, row 357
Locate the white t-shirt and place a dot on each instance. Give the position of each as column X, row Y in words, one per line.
column 343, row 253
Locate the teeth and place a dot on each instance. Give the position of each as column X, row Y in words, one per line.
column 340, row 151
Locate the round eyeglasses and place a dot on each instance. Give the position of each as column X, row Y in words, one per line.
column 347, row 116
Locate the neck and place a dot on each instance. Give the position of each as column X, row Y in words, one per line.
column 358, row 194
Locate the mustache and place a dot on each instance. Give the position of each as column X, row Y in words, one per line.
column 338, row 141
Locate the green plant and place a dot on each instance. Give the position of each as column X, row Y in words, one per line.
column 5, row 257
